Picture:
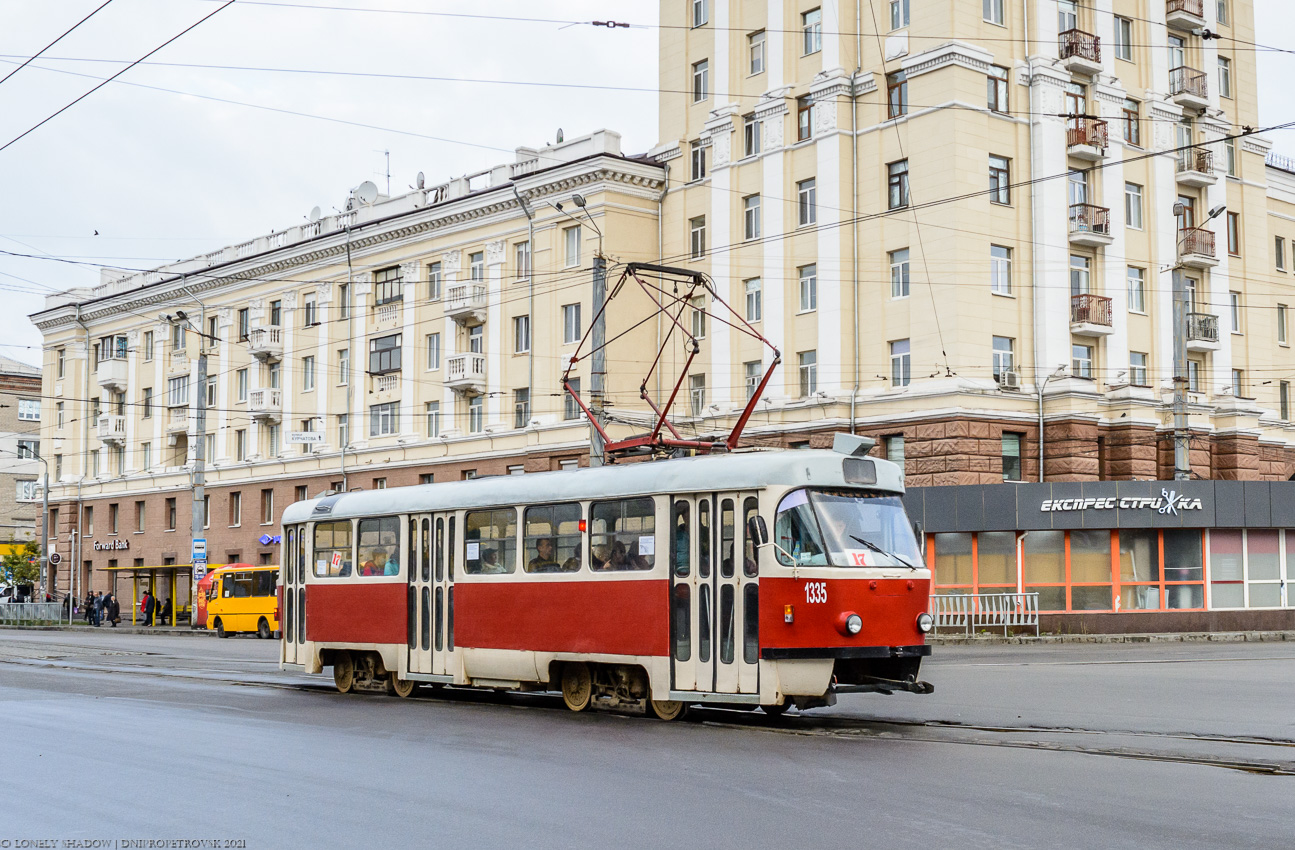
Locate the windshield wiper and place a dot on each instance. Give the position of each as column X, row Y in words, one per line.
column 880, row 551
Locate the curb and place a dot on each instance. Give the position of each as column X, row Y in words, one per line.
column 1164, row 637
column 127, row 630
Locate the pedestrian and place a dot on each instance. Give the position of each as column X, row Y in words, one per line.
column 166, row 612
column 148, row 605
column 113, row 608
column 97, row 612
column 88, row 606
column 67, row 604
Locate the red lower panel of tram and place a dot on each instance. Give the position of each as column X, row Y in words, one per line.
column 887, row 607
column 356, row 613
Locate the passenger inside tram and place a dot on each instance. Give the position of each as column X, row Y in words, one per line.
column 543, row 562
column 490, row 562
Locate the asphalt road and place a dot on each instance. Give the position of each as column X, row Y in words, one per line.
column 125, row 737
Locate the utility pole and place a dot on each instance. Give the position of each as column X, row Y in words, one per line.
column 596, row 446
column 1182, row 462
column 199, row 455
column 44, row 533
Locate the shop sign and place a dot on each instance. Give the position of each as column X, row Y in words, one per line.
column 1168, row 502
column 111, row 545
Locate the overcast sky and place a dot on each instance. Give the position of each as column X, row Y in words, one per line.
column 170, row 162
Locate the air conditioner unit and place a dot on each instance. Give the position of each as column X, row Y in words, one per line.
column 1009, row 380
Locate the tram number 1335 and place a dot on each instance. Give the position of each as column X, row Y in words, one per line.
column 815, row 592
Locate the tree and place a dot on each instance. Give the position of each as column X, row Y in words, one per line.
column 21, row 565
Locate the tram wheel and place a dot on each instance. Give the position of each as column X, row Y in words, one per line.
column 397, row 686
column 263, row 629
column 776, row 709
column 669, row 709
column 344, row 672
column 577, row 686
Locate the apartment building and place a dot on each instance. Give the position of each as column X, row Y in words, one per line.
column 957, row 220
column 20, row 468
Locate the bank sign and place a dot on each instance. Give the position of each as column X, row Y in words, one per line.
column 1168, row 502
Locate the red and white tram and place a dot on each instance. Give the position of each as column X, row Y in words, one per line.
column 640, row 586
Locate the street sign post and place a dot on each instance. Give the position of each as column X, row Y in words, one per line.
column 199, row 569
column 199, row 549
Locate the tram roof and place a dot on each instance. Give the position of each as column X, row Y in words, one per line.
column 745, row 471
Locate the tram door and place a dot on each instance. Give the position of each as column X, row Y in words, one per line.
column 431, row 596
column 714, row 594
column 292, row 617
column 418, row 601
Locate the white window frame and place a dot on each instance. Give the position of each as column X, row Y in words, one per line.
column 1123, row 38
column 521, row 334
column 1234, row 311
column 807, row 370
column 807, row 276
column 751, row 217
column 753, row 289
column 571, row 246
column 1137, row 285
column 433, row 352
column 806, row 202
column 757, row 51
column 384, row 419
column 811, row 24
column 901, row 363
column 432, row 410
column 899, row 273
column 308, row 374
column 1138, row 370
column 700, row 13
column 992, row 12
column 1000, row 270
column 697, row 237
column 1004, row 355
column 752, row 136
column 1081, row 361
column 570, row 324
column 1225, row 77
column 1133, row 205
column 899, row 15
column 701, row 81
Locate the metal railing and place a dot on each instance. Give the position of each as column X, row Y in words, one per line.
column 1203, row 327
column 1090, row 309
column 1083, row 45
column 1184, row 80
column 1196, row 240
column 1088, row 131
column 1090, row 218
column 970, row 612
column 31, row 612
column 1190, row 7
column 1196, row 159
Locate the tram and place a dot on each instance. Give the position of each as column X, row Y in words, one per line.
column 644, row 587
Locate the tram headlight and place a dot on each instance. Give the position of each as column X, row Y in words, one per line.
column 925, row 622
column 849, row 623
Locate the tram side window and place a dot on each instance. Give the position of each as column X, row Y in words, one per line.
column 490, row 538
column 380, row 546
column 679, row 547
column 750, row 560
column 623, row 535
column 796, row 532
column 552, row 542
column 333, row 548
column 264, row 583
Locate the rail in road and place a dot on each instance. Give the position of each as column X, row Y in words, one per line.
column 1266, row 750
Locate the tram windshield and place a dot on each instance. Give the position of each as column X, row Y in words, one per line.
column 841, row 528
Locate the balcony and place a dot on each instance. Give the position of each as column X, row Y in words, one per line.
column 112, row 374
column 465, row 303
column 1081, row 52
column 1090, row 315
column 1189, row 88
column 1196, row 167
column 1196, row 248
column 266, row 344
column 384, row 387
column 177, row 363
column 177, row 421
column 1086, row 138
column 1090, row 225
column 112, row 429
column 1202, row 332
column 388, row 313
column 265, row 405
column 1185, row 14
column 466, row 373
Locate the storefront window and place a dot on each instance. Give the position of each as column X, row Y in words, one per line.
column 996, row 561
column 1227, row 573
column 1139, row 563
column 1263, row 568
column 1090, row 570
column 952, row 562
column 1184, row 562
column 1043, row 568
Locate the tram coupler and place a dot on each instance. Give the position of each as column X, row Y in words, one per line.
column 877, row 685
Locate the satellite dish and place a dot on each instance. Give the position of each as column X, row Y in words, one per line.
column 315, row 213
column 367, row 192
column 420, row 181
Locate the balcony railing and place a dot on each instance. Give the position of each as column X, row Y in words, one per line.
column 265, row 343
column 1191, row 7
column 1087, row 132
column 466, row 302
column 466, row 372
column 112, row 428
column 386, row 383
column 1196, row 159
column 112, row 373
column 1090, row 218
column 1077, row 44
column 388, row 312
column 265, row 403
column 1196, row 240
column 177, row 419
column 1090, row 309
column 1203, row 327
column 1185, row 14
column 1188, row 82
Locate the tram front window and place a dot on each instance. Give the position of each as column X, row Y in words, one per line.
column 844, row 529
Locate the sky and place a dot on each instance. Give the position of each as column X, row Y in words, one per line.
column 171, row 161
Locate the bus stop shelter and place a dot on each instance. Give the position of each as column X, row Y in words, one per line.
column 171, row 576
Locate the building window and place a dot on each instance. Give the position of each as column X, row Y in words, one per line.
column 28, row 448
column 1238, row 383
column 310, row 310
column 700, row 81
column 1079, row 275
column 1137, row 289
column 433, row 281
column 752, row 130
column 29, row 409
column 992, row 11
column 751, row 217
column 240, row 379
column 521, row 334
column 27, row 491
column 697, row 394
column 698, row 317
column 267, row 506
column 756, row 48
column 58, row 414
column 1124, row 39
column 1281, row 323
column 804, row 118
column 896, row 94
column 811, row 24
column 754, row 299
column 1234, row 234
column 1230, row 153
column 753, row 372
column 1280, row 253
column 521, row 408
column 433, row 412
column 384, row 354
column 901, row 364
column 1000, row 270
column 697, row 151
column 307, row 374
column 344, row 301
column 1225, row 77
column 808, row 368
column 244, row 324
column 148, row 352
column 522, row 251
column 1011, row 456
column 433, row 351
column 897, row 184
column 570, row 408
column 476, row 339
column 1133, row 205
column 894, row 445
column 1138, row 368
column 806, row 202
column 700, row 12
column 1004, row 356
column 1081, row 361
column 898, row 14
column 177, row 392
column 477, row 266
column 697, row 236
column 145, row 456
column 343, row 431
column 899, row 273
column 240, row 444
column 344, row 366
column 178, row 342
column 236, row 508
column 275, row 371
column 1284, row 393
column 1222, row 12
column 808, row 276
column 1000, row 179
column 476, row 415
column 273, row 434
column 384, row 419
column 996, row 83
column 1194, row 376
column 1131, row 124
column 571, row 241
column 570, row 323
column 1234, row 311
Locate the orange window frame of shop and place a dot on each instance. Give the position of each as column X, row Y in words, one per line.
column 1116, row 584
column 229, row 614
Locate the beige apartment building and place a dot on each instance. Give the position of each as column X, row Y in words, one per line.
column 951, row 228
